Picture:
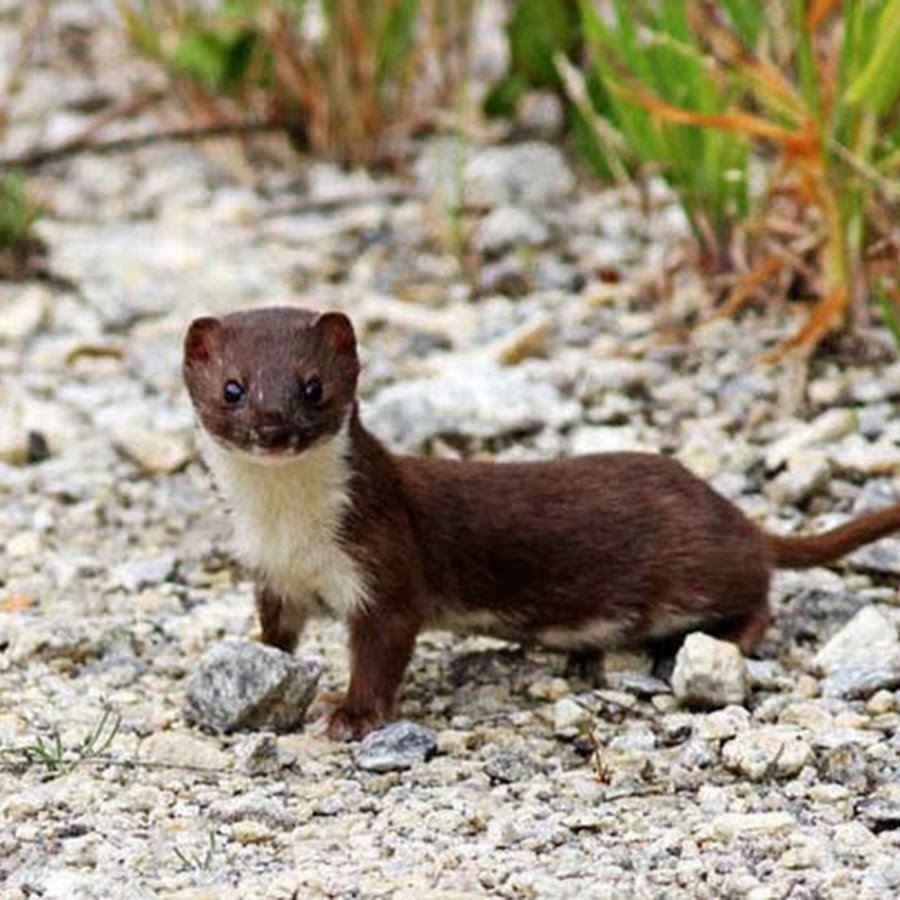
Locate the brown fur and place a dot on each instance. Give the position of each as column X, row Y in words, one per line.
column 588, row 552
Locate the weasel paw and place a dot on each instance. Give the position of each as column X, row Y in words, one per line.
column 345, row 724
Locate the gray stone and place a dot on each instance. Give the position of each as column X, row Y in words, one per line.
column 174, row 748
column 858, row 682
column 868, row 642
column 531, row 174
column 155, row 452
column 709, row 673
column 807, row 471
column 508, row 227
column 511, row 766
column 771, row 752
column 258, row 754
column 399, row 745
column 728, row 826
column 882, row 809
column 722, row 724
column 481, row 402
column 137, row 574
column 242, row 685
column 570, row 718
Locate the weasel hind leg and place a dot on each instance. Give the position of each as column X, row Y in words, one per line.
column 746, row 630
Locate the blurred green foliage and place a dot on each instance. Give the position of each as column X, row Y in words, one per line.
column 18, row 210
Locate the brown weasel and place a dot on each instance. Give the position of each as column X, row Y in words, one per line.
column 591, row 552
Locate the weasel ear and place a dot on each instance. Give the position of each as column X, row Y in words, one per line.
column 201, row 339
column 337, row 330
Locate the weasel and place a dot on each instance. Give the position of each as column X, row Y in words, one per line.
column 584, row 553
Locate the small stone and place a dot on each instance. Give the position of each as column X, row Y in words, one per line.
column 832, row 425
column 508, row 227
column 881, row 457
column 807, row 471
column 845, row 765
column 869, row 633
column 676, row 728
column 881, row 702
column 549, row 689
column 541, row 112
column 507, row 276
column 399, row 745
column 24, row 313
column 709, row 672
column 605, row 439
column 722, row 724
column 881, row 811
column 859, row 682
column 853, row 839
column 137, row 574
column 487, row 401
column 505, row 768
column 570, row 718
column 258, row 754
column 155, row 452
column 532, row 174
column 812, row 715
column 729, row 826
column 173, row 748
column 775, row 752
column 638, row 683
column 246, row 831
column 242, row 685
column 862, row 658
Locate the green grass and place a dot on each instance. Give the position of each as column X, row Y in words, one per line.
column 18, row 211
column 48, row 752
column 692, row 89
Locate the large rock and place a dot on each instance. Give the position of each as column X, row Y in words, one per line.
column 241, row 685
column 709, row 672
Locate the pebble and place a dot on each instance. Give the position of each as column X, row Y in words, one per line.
column 532, row 174
column 722, row 724
column 485, row 402
column 570, row 718
column 137, row 574
column 155, row 452
column 831, row 425
column 862, row 657
column 259, row 754
column 882, row 809
column 512, row 766
column 763, row 753
column 242, row 685
column 508, row 227
column 729, row 826
column 397, row 746
column 173, row 748
column 709, row 673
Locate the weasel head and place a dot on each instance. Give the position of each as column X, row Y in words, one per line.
column 271, row 382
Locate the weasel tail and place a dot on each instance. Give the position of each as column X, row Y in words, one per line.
column 802, row 552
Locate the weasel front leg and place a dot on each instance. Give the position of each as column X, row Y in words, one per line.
column 381, row 644
column 282, row 620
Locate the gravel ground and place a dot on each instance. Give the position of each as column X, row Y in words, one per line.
column 525, row 780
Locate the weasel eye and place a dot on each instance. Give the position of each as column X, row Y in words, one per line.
column 312, row 390
column 233, row 391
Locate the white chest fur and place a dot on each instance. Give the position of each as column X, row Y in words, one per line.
column 286, row 519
